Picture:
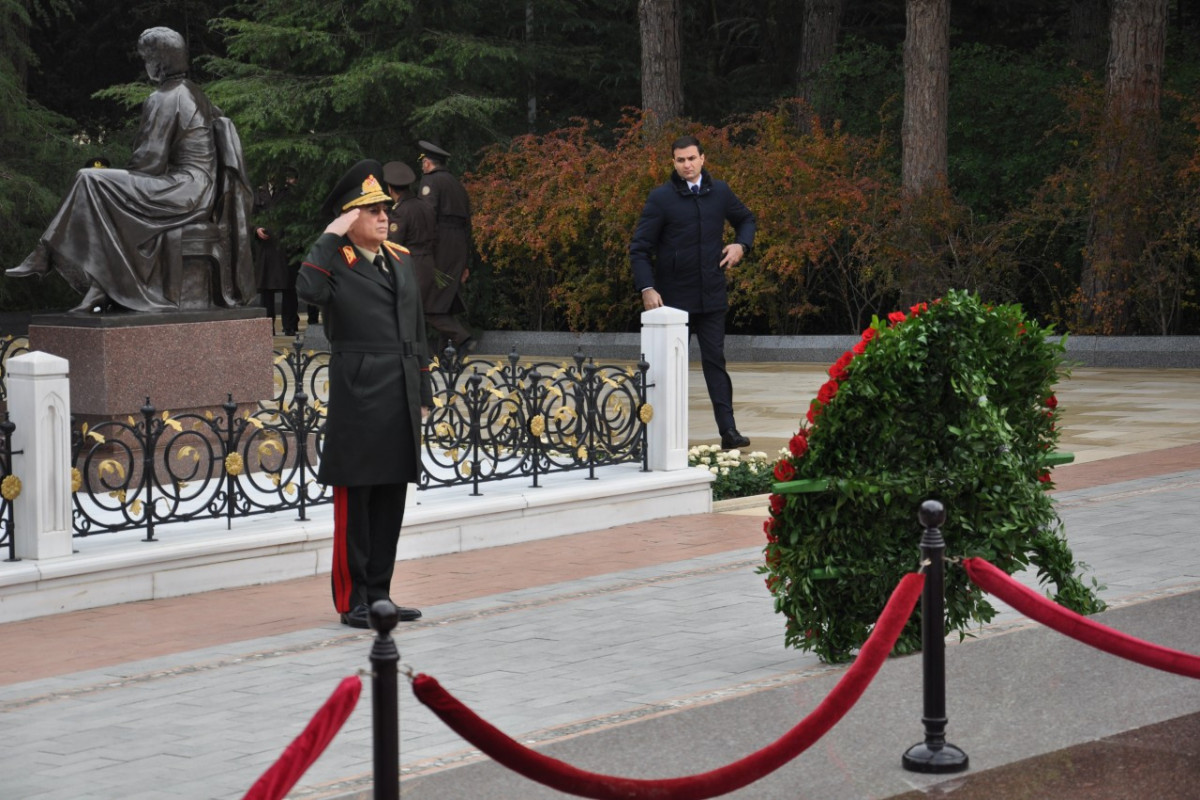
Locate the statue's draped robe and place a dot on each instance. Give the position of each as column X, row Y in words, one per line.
column 111, row 227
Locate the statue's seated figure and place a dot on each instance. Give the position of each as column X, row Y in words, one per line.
column 121, row 235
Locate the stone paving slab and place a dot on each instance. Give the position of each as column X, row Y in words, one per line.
column 609, row 646
column 591, row 665
column 1011, row 696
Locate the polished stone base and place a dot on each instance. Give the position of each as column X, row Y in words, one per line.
column 181, row 360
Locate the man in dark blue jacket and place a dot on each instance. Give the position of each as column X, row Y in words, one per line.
column 678, row 260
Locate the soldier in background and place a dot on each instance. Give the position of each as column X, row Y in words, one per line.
column 412, row 222
column 443, row 191
column 270, row 254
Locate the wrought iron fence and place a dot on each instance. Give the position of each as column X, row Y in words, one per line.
column 10, row 487
column 490, row 421
column 9, row 346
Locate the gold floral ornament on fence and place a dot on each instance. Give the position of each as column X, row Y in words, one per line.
column 234, row 464
column 537, row 425
column 76, row 480
column 646, row 413
column 10, row 487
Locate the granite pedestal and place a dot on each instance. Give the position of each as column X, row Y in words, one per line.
column 187, row 360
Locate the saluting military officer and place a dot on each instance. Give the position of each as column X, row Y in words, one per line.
column 449, row 199
column 378, row 385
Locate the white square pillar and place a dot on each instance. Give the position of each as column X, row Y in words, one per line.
column 39, row 404
column 665, row 348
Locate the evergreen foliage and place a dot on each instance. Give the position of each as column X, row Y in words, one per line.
column 317, row 86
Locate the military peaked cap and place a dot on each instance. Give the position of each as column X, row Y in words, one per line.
column 362, row 185
column 399, row 174
column 431, row 149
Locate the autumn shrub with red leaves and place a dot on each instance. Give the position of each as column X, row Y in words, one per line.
column 553, row 216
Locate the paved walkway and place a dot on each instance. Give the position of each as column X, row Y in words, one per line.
column 642, row 650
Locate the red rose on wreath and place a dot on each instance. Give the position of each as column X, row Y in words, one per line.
column 784, row 471
column 896, row 317
column 839, row 370
column 827, row 392
column 798, row 445
column 1051, row 402
column 778, row 502
column 814, row 411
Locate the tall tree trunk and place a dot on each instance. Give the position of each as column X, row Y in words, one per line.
column 1128, row 143
column 1089, row 32
column 822, row 20
column 661, row 23
column 926, row 95
column 531, row 76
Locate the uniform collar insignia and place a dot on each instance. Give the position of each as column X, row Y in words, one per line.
column 349, row 254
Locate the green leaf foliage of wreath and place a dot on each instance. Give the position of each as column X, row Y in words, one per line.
column 952, row 400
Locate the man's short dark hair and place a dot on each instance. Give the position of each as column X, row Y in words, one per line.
column 684, row 142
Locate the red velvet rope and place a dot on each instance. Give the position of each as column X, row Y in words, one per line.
column 566, row 778
column 277, row 781
column 1036, row 606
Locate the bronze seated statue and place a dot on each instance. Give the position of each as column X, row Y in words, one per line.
column 170, row 232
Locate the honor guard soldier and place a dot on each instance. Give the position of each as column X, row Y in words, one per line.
column 443, row 191
column 413, row 224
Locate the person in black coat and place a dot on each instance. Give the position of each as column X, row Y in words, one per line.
column 379, row 386
column 679, row 260
column 452, row 207
column 413, row 224
column 270, row 254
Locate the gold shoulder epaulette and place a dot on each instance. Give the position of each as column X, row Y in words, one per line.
column 396, row 249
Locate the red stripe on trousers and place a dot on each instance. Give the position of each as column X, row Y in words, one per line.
column 342, row 585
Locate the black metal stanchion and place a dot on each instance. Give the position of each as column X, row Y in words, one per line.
column 385, row 706
column 934, row 754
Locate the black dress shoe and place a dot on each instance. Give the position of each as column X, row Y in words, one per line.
column 731, row 439
column 358, row 617
column 408, row 614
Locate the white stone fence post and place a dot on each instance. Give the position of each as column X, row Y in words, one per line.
column 665, row 347
column 39, row 403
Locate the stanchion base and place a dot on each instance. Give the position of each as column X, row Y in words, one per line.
column 922, row 758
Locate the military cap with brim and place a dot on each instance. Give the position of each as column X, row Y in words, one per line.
column 399, row 174
column 431, row 149
column 362, row 185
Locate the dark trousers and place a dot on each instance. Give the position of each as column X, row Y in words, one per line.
column 366, row 530
column 290, row 310
column 709, row 329
column 449, row 327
